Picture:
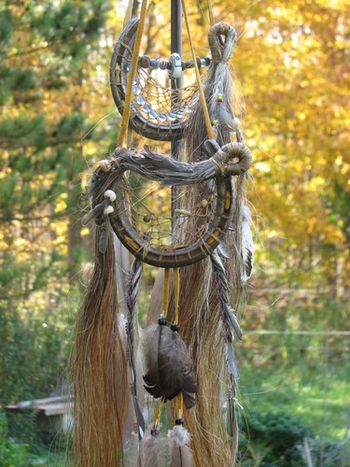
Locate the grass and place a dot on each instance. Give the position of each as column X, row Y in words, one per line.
column 313, row 389
column 279, row 374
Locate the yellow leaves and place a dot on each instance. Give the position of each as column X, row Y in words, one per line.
column 85, row 232
column 262, row 166
column 23, row 248
column 61, row 203
column 60, row 229
column 317, row 184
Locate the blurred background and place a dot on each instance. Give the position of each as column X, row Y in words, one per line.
column 57, row 119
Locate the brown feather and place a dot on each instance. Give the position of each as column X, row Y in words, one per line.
column 169, row 365
column 181, row 456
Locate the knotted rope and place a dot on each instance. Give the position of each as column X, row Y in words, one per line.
column 221, row 50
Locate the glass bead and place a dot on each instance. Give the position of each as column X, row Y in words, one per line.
column 140, row 100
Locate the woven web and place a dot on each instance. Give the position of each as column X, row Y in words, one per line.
column 164, row 216
column 151, row 214
column 152, row 96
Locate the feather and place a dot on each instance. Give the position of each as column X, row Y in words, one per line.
column 169, row 365
column 231, row 419
column 103, row 239
column 231, row 361
column 228, row 313
column 94, row 212
column 231, row 416
column 247, row 244
column 226, row 119
column 181, row 454
column 233, row 321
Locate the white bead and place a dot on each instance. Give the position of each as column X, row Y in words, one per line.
column 110, row 194
column 108, row 210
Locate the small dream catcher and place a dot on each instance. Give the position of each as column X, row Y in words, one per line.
column 186, row 215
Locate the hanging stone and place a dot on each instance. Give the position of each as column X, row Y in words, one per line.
column 153, row 114
column 140, row 100
column 180, row 114
column 147, row 108
column 162, row 117
column 203, row 62
column 136, row 90
column 172, row 116
column 127, row 67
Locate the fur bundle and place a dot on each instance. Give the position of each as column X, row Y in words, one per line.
column 169, row 365
column 99, row 368
column 153, row 449
column 181, row 454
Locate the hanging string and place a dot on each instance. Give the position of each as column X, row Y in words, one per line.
column 157, row 412
column 179, row 398
column 132, row 74
column 179, row 406
column 176, row 293
column 165, row 303
column 211, row 15
column 209, row 128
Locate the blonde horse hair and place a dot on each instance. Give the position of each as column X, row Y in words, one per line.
column 99, row 370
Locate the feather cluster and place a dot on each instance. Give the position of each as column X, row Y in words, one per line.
column 169, row 364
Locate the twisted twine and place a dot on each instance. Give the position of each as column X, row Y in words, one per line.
column 133, row 291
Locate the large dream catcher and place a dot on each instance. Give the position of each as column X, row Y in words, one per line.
column 185, row 214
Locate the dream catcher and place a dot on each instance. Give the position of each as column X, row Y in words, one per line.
column 185, row 214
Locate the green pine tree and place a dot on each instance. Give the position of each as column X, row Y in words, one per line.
column 48, row 54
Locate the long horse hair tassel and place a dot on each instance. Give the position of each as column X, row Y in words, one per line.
column 99, row 368
column 181, row 454
column 133, row 291
column 169, row 364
